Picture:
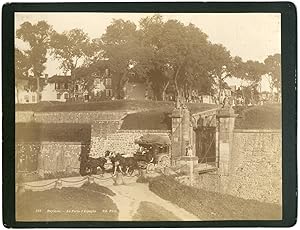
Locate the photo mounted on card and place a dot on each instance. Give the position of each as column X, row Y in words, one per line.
column 136, row 115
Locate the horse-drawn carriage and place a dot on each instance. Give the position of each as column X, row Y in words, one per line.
column 153, row 152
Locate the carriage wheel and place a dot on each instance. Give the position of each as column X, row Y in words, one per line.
column 164, row 161
column 150, row 168
column 131, row 172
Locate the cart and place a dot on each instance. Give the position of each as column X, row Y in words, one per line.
column 153, row 152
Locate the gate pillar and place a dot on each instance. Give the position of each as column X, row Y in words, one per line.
column 176, row 138
column 226, row 118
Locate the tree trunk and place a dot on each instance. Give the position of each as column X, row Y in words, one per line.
column 176, row 84
column 164, row 91
column 37, row 76
column 17, row 95
column 72, row 91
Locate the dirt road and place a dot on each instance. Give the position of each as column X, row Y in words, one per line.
column 128, row 198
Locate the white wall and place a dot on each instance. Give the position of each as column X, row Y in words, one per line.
column 23, row 96
column 50, row 94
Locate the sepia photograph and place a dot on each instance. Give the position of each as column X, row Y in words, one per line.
column 148, row 116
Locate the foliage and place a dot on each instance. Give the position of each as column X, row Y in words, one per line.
column 38, row 37
column 252, row 71
column 73, row 48
column 122, row 49
column 165, row 55
column 178, row 55
column 22, row 65
column 273, row 68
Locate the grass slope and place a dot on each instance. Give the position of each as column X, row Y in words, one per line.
column 210, row 205
column 67, row 204
column 149, row 211
column 260, row 117
column 116, row 105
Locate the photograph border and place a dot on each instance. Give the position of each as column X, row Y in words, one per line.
column 289, row 103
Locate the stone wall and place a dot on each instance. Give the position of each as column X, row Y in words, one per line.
column 48, row 157
column 68, row 117
column 121, row 141
column 24, row 116
column 59, row 157
column 256, row 165
column 254, row 168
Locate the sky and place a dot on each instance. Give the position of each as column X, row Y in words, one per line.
column 252, row 36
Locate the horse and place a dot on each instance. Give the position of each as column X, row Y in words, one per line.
column 94, row 163
column 121, row 163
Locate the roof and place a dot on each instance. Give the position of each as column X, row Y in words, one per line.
column 152, row 139
column 59, row 78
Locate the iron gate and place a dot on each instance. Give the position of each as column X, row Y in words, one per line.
column 206, row 144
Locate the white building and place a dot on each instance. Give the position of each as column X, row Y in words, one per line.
column 23, row 93
column 56, row 89
column 24, row 96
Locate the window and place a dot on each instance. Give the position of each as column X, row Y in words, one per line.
column 108, row 81
column 66, row 85
column 66, row 96
column 57, row 86
column 26, row 97
column 108, row 92
column 58, row 96
column 76, row 87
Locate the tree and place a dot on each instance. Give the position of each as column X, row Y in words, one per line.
column 252, row 72
column 86, row 73
column 159, row 74
column 72, row 48
column 38, row 37
column 273, row 68
column 220, row 65
column 123, row 52
column 182, row 51
column 22, row 66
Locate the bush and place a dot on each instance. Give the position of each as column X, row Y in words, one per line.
column 210, row 205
